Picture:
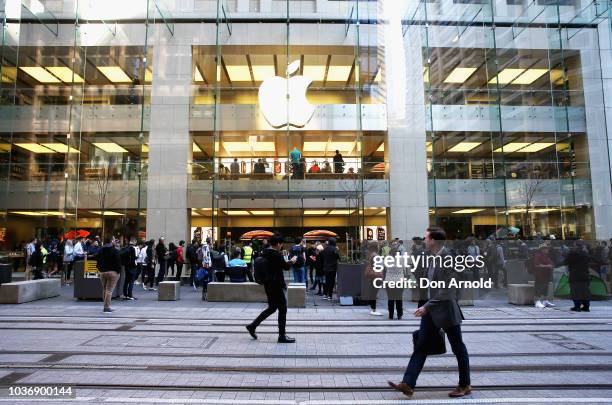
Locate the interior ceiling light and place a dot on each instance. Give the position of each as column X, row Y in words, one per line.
column 338, row 73
column 110, row 147
column 468, row 211
column 529, row 76
column 464, row 146
column 557, row 77
column 41, row 213
column 238, row 73
column 28, row 213
column 198, row 75
column 535, row 147
column 195, row 148
column 40, row 74
column 65, row 74
column 59, row 147
column 315, row 73
column 9, row 74
column 460, row 75
column 148, row 76
column 511, row 147
column 34, row 147
column 378, row 77
column 262, row 212
column 237, row 213
column 381, row 148
column 506, row 76
column 341, row 146
column 562, row 147
column 115, row 74
column 5, row 147
column 108, row 213
column 144, row 148
column 428, row 146
column 315, row 146
column 316, row 212
column 262, row 72
column 248, row 146
column 341, row 212
column 425, row 75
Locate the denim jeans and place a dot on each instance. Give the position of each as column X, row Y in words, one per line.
column 299, row 274
column 417, row 360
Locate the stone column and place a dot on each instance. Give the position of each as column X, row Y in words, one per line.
column 406, row 154
column 169, row 140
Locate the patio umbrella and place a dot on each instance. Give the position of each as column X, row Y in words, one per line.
column 320, row 234
column 256, row 234
column 81, row 233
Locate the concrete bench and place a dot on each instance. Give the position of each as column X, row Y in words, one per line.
column 520, row 294
column 253, row 292
column 26, row 291
column 169, row 291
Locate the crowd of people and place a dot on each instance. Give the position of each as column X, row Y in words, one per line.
column 147, row 263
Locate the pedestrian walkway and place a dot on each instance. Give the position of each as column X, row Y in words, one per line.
column 196, row 352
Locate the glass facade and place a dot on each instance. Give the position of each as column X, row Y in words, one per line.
column 365, row 118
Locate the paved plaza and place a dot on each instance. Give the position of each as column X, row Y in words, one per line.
column 197, row 352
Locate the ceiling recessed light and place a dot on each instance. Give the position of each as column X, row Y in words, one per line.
column 536, row 147
column 511, row 147
column 316, row 212
column 34, row 147
column 338, row 73
column 110, row 147
column 262, row 72
column 108, row 213
column 198, row 75
column 264, row 212
column 459, row 75
column 115, row 74
column 464, row 146
column 65, row 74
column 506, row 76
column 237, row 213
column 59, row 147
column 195, row 148
column 40, row 74
column 341, row 212
column 468, row 211
column 315, row 73
column 530, row 76
column 239, row 73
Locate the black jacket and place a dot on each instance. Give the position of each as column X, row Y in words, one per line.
column 160, row 251
column 109, row 259
column 330, row 258
column 275, row 264
column 577, row 262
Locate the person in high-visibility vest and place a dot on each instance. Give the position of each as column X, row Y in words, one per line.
column 247, row 256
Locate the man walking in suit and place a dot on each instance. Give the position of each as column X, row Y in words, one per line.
column 441, row 311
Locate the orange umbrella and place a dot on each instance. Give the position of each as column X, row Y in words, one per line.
column 76, row 234
column 256, row 234
column 320, row 234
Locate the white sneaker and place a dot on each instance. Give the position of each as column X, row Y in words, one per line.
column 144, row 287
column 539, row 304
column 153, row 289
column 136, row 282
column 374, row 313
column 548, row 304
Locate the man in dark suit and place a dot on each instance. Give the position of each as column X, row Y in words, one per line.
column 441, row 311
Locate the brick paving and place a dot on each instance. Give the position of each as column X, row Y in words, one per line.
column 194, row 352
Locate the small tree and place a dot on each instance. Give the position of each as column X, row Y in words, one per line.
column 527, row 193
column 103, row 174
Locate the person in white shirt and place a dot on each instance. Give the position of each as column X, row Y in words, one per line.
column 79, row 250
column 68, row 258
column 30, row 247
column 141, row 261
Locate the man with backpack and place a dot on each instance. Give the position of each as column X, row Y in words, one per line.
column 269, row 272
column 299, row 252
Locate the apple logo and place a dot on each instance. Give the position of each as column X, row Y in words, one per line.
column 283, row 101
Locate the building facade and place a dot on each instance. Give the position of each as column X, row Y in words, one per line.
column 148, row 118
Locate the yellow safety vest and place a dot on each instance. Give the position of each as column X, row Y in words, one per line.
column 248, row 252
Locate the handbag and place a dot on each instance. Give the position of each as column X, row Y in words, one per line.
column 436, row 345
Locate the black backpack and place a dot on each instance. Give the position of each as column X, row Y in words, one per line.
column 217, row 259
column 260, row 270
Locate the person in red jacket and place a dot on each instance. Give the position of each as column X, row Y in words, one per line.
column 542, row 271
column 180, row 259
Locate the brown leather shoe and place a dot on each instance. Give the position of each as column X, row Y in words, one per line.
column 402, row 387
column 460, row 391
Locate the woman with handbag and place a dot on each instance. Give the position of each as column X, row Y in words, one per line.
column 395, row 295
